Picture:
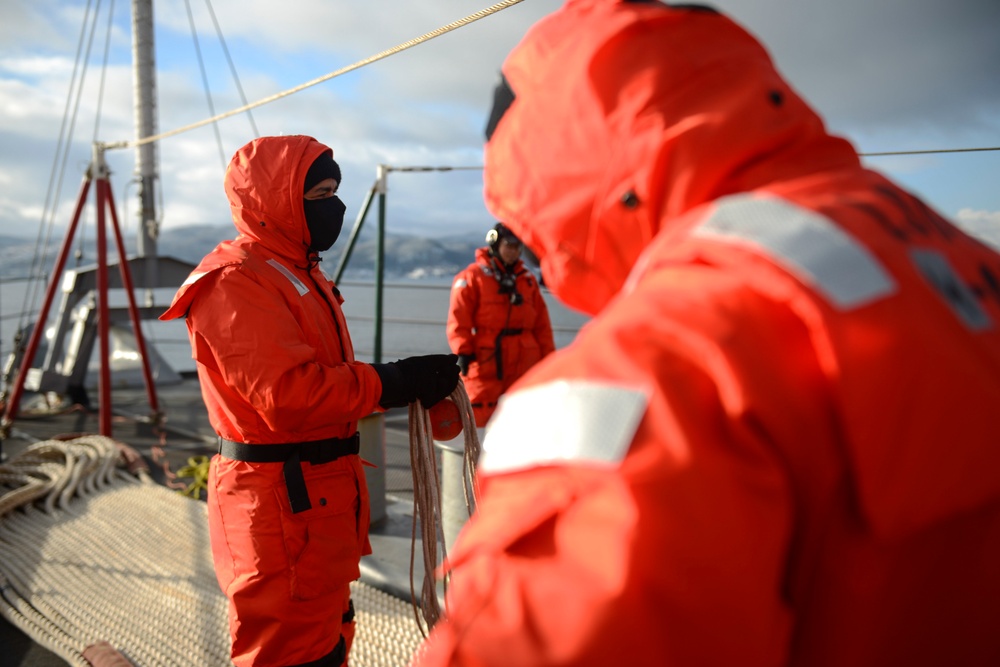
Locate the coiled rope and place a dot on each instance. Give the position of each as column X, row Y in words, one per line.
column 97, row 559
column 427, row 500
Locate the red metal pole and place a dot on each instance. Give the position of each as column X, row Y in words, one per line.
column 36, row 335
column 104, row 384
column 133, row 311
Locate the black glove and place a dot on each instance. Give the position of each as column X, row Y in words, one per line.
column 428, row 378
column 463, row 362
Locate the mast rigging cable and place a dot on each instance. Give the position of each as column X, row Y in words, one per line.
column 343, row 70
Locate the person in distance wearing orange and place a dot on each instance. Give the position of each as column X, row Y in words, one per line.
column 775, row 442
column 498, row 323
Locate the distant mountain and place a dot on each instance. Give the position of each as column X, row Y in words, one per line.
column 16, row 255
column 406, row 256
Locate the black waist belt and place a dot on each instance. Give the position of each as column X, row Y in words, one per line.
column 292, row 454
column 498, row 348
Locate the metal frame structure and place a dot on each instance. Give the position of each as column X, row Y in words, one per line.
column 47, row 378
column 379, row 187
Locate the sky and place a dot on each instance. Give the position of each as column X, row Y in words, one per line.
column 889, row 75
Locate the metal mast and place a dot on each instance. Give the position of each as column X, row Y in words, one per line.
column 144, row 84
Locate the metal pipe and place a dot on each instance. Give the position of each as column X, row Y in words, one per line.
column 103, row 326
column 379, row 263
column 133, row 311
column 355, row 233
column 144, row 86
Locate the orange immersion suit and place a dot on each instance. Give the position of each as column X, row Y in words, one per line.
column 276, row 366
column 775, row 443
column 507, row 332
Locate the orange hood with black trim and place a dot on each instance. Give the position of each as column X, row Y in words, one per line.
column 264, row 184
column 604, row 144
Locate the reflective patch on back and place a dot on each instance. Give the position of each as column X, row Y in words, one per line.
column 564, row 422
column 299, row 285
column 937, row 270
column 806, row 244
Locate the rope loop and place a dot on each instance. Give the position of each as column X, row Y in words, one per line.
column 427, row 501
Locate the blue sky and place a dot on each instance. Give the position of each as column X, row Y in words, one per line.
column 893, row 75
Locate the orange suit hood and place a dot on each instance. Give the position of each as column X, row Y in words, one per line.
column 602, row 145
column 606, row 154
column 264, row 184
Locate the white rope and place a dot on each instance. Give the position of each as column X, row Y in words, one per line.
column 470, row 483
column 343, row 70
column 90, row 552
column 427, row 511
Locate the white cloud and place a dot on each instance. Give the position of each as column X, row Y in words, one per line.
column 984, row 225
column 891, row 75
column 975, row 217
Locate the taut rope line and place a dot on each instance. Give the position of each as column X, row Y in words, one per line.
column 343, row 70
column 932, row 151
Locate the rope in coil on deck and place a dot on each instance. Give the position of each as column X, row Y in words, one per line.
column 427, row 511
column 98, row 561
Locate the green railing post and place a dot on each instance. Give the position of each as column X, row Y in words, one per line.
column 355, row 233
column 383, row 170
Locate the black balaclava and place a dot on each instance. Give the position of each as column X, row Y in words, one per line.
column 324, row 217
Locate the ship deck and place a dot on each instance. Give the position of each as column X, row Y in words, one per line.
column 187, row 433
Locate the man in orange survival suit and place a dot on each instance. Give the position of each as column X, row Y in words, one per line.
column 775, row 443
column 498, row 323
column 287, row 501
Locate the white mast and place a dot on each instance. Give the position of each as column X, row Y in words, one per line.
column 144, row 81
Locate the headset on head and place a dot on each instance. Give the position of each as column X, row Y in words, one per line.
column 499, row 231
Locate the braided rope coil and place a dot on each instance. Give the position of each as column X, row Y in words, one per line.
column 99, row 562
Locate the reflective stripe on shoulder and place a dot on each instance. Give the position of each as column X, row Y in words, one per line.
column 193, row 278
column 806, row 244
column 562, row 422
column 460, row 283
column 299, row 285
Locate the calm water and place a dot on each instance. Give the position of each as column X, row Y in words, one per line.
column 414, row 316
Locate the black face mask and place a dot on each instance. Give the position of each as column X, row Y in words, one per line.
column 325, row 219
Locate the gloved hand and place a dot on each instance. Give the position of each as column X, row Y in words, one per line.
column 428, row 378
column 463, row 362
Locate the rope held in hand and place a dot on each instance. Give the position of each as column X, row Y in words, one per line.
column 427, row 500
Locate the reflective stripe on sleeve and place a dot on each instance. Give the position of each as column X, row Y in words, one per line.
column 806, row 244
column 572, row 422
